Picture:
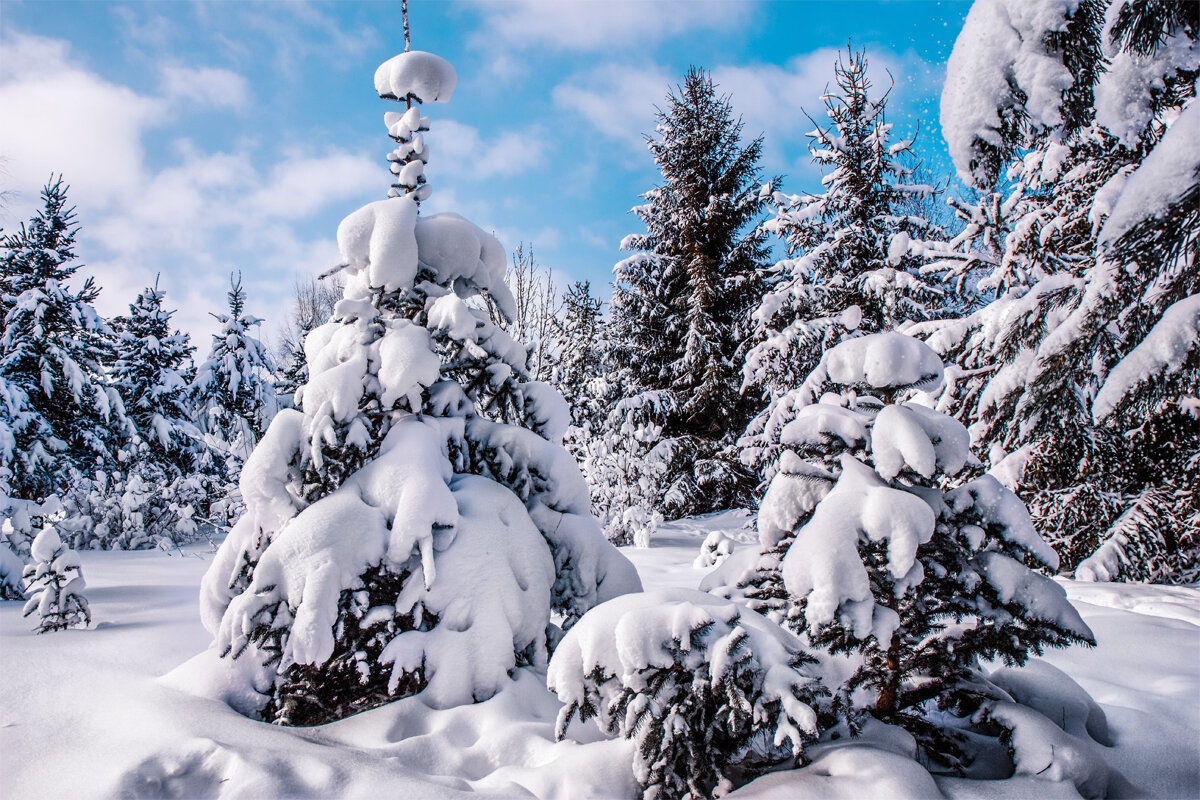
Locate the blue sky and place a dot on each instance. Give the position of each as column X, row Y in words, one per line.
column 205, row 137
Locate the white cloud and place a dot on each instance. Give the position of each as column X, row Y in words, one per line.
column 618, row 100
column 588, row 26
column 462, row 151
column 196, row 220
column 60, row 118
column 205, row 86
column 303, row 183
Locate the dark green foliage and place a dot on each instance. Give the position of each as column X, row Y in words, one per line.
column 353, row 679
column 680, row 304
column 695, row 731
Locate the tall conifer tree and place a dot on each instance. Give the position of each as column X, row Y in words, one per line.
column 680, row 305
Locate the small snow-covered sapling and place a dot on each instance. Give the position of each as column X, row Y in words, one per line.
column 55, row 585
column 709, row 691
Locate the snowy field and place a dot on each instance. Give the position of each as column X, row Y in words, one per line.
column 106, row 712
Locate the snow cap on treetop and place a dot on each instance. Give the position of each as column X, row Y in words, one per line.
column 423, row 76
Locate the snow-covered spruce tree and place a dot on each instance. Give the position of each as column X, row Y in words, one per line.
column 150, row 373
column 158, row 487
column 579, row 341
column 233, row 394
column 1101, row 245
column 64, row 417
column 711, row 693
column 681, row 302
column 848, row 267
column 54, row 585
column 414, row 522
column 892, row 556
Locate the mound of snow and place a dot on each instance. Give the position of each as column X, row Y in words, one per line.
column 424, row 76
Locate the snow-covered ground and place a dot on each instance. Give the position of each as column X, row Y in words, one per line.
column 105, row 712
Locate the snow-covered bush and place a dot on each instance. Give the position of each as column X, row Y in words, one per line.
column 412, row 525
column 12, row 570
column 133, row 509
column 893, row 557
column 711, row 693
column 54, row 585
column 717, row 547
column 625, row 469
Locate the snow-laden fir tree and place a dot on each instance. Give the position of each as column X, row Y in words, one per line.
column 233, row 392
column 680, row 303
column 579, row 337
column 712, row 694
column 885, row 552
column 54, row 585
column 151, row 375
column 1078, row 379
column 848, row 268
column 64, row 417
column 161, row 483
column 414, row 522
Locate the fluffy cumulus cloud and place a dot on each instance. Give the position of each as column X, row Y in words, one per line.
column 61, row 118
column 195, row 220
column 462, row 151
column 619, row 100
column 209, row 86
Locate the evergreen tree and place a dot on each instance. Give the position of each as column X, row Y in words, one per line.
column 65, row 419
column 234, row 389
column 848, row 269
column 680, row 304
column 1097, row 252
column 711, row 694
column 413, row 523
column 54, row 584
column 150, row 374
column 893, row 556
column 579, row 333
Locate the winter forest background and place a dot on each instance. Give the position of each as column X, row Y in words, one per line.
column 807, row 495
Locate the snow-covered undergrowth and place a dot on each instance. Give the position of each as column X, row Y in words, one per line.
column 110, row 711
